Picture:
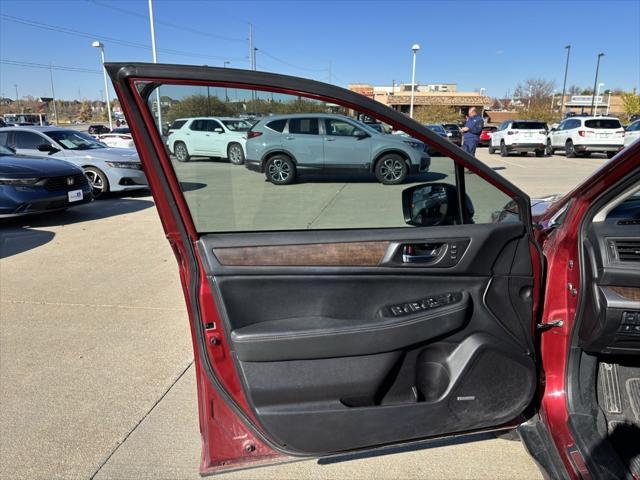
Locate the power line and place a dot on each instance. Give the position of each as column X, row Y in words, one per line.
column 78, row 33
column 47, row 67
column 289, row 64
column 168, row 24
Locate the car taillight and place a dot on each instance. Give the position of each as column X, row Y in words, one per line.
column 585, row 133
column 253, row 134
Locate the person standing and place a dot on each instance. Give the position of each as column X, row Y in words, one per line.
column 472, row 129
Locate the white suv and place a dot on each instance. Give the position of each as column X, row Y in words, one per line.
column 632, row 133
column 582, row 136
column 521, row 136
column 209, row 137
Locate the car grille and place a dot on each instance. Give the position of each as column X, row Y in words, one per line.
column 64, row 183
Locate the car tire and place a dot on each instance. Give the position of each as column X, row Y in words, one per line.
column 491, row 150
column 391, row 169
column 540, row 152
column 503, row 150
column 235, row 154
column 569, row 150
column 549, row 150
column 524, row 154
column 280, row 170
column 98, row 181
column 180, row 151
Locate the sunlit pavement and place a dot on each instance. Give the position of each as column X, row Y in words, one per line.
column 96, row 375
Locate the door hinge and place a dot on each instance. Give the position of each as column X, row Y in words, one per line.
column 548, row 325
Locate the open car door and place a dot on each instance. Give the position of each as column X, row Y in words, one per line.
column 336, row 313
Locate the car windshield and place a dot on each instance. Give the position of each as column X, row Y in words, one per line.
column 529, row 126
column 450, row 127
column 72, row 140
column 237, row 125
column 603, row 123
column 436, row 128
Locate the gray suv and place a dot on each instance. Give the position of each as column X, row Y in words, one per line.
column 286, row 146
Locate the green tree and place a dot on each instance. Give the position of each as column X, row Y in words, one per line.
column 631, row 103
column 436, row 114
column 85, row 112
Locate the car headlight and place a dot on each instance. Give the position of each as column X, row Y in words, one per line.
column 131, row 165
column 18, row 181
column 416, row 145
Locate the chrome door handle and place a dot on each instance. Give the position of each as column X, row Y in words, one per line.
column 331, row 139
column 291, row 138
column 408, row 255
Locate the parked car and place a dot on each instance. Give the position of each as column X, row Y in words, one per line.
column 453, row 132
column 485, row 136
column 522, row 136
column 117, row 138
column 108, row 169
column 582, row 136
column 439, row 129
column 36, row 185
column 287, row 146
column 632, row 133
column 337, row 341
column 97, row 130
column 224, row 137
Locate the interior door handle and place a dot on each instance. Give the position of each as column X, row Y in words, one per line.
column 410, row 255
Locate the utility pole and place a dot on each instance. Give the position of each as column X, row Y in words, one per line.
column 17, row 98
column 53, row 93
column 595, row 82
column 564, row 84
column 530, row 93
column 251, row 66
column 155, row 60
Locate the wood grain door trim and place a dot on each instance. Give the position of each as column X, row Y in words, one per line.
column 349, row 254
column 629, row 293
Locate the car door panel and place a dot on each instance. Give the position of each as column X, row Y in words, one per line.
column 296, row 352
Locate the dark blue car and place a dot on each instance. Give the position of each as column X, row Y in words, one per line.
column 35, row 185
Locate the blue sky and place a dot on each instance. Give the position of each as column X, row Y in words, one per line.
column 489, row 44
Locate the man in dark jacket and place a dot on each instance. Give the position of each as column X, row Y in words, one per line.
column 472, row 129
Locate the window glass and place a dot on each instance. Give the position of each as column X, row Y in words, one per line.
column 238, row 125
column 73, row 140
column 177, row 124
column 211, row 125
column 28, row 140
column 198, row 126
column 4, row 138
column 603, row 123
column 529, row 126
column 301, row 180
column 308, row 126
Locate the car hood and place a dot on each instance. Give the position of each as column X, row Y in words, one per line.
column 106, row 154
column 20, row 166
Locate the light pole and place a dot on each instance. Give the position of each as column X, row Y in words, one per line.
column 53, row 94
column 17, row 99
column 597, row 97
column 415, row 48
column 595, row 82
column 155, row 60
column 608, row 103
column 530, row 93
column 100, row 45
column 564, row 84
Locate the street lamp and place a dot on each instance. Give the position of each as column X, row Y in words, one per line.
column 553, row 97
column 100, row 45
column 226, row 97
column 597, row 97
column 564, row 84
column 595, row 82
column 415, row 48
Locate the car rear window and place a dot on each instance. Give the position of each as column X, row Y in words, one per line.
column 177, row 124
column 603, row 123
column 307, row 126
column 529, row 126
column 277, row 125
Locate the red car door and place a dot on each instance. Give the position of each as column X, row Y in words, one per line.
column 337, row 314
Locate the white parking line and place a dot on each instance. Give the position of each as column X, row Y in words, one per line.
column 510, row 163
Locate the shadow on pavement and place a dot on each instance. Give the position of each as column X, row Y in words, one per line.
column 20, row 234
column 365, row 178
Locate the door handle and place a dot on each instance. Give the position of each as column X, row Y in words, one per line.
column 331, row 139
column 410, row 254
column 290, row 138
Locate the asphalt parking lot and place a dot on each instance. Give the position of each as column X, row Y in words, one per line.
column 96, row 374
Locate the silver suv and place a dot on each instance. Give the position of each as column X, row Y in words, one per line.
column 286, row 146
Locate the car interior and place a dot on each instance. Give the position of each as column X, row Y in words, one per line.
column 604, row 363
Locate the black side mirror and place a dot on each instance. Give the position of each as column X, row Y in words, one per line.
column 47, row 147
column 432, row 204
column 360, row 134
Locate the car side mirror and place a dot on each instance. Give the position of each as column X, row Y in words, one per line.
column 433, row 204
column 218, row 130
column 47, row 147
column 360, row 134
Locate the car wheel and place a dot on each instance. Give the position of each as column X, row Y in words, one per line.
column 549, row 150
column 503, row 150
column 181, row 152
column 570, row 150
column 280, row 170
column 97, row 180
column 235, row 154
column 524, row 154
column 540, row 152
column 491, row 149
column 391, row 170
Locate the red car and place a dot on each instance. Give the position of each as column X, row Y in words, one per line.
column 416, row 314
column 485, row 136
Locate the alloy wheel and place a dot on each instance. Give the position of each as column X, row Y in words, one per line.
column 279, row 170
column 391, row 169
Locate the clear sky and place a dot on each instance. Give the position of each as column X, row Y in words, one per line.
column 477, row 44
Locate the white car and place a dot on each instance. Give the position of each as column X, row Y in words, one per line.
column 582, row 136
column 117, row 138
column 209, row 137
column 632, row 133
column 108, row 169
column 521, row 136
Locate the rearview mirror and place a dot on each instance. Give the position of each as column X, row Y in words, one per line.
column 432, row 204
column 47, row 147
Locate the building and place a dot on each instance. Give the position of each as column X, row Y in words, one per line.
column 398, row 96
